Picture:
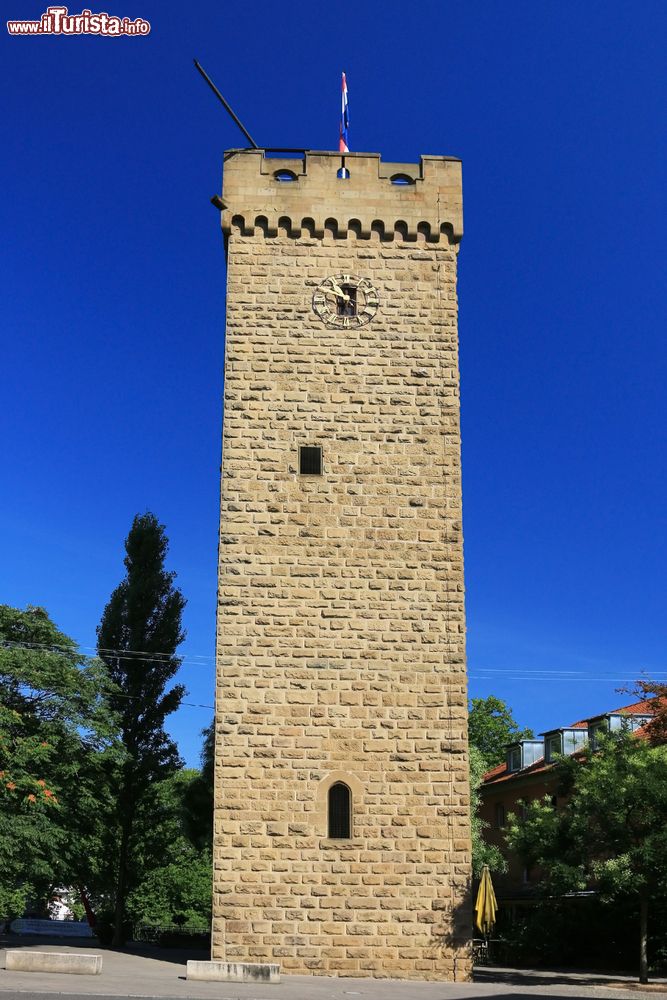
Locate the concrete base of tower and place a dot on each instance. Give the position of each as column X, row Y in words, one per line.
column 233, row 972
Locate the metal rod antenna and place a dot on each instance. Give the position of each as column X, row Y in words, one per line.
column 225, row 105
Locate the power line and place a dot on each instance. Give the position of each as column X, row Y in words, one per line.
column 145, row 652
column 78, row 646
column 520, row 673
column 117, row 694
column 119, row 654
column 60, row 650
column 587, row 678
column 133, row 697
column 474, row 673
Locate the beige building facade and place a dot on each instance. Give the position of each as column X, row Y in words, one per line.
column 342, row 835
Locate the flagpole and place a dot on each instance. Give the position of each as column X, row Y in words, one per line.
column 225, row 105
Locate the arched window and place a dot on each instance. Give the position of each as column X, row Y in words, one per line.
column 340, row 812
column 402, row 179
column 285, row 176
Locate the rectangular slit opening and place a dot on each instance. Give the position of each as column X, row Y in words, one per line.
column 310, row 460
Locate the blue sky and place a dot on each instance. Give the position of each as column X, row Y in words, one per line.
column 113, row 306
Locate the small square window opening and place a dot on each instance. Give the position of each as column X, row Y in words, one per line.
column 346, row 304
column 310, row 460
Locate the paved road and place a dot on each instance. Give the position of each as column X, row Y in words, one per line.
column 161, row 974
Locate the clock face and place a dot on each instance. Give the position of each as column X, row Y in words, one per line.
column 346, row 301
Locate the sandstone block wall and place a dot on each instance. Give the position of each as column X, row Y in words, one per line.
column 341, row 628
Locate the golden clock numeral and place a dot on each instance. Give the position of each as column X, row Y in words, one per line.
column 346, row 278
column 346, row 321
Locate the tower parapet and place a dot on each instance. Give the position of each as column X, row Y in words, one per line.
column 305, row 193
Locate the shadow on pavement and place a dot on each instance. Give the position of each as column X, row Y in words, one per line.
column 177, row 956
column 554, row 977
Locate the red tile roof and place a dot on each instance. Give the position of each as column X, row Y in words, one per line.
column 644, row 707
column 500, row 773
column 495, row 771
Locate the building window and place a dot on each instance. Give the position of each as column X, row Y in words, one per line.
column 514, row 759
column 552, row 747
column 285, row 176
column 573, row 740
column 595, row 731
column 310, row 460
column 500, row 815
column 340, row 812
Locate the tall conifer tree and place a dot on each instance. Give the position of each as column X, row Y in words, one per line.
column 137, row 638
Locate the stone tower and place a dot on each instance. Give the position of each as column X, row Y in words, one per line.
column 342, row 837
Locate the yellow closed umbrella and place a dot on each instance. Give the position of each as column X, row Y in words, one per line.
column 485, row 904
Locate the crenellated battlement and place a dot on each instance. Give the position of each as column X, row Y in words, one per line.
column 307, row 194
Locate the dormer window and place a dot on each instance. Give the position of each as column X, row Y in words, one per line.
column 532, row 751
column 514, row 759
column 574, row 740
column 627, row 722
column 563, row 741
column 523, row 754
column 615, row 722
column 597, row 728
column 553, row 745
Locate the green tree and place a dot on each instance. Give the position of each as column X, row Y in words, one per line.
column 655, row 692
column 178, row 894
column 611, row 833
column 137, row 638
column 491, row 726
column 56, row 746
column 174, row 871
column 482, row 853
column 162, row 823
column 198, row 796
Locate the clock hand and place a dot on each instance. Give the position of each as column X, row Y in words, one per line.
column 338, row 295
column 338, row 290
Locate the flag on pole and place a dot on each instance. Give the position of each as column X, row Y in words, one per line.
column 344, row 121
